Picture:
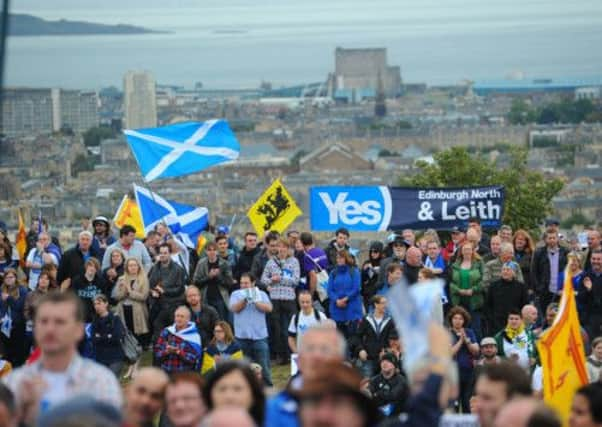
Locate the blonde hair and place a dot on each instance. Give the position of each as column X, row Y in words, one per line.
column 228, row 334
column 139, row 278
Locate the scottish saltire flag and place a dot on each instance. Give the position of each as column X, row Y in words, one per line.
column 183, row 148
column 412, row 311
column 190, row 334
column 184, row 221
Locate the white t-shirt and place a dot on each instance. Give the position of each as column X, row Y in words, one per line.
column 520, row 347
column 35, row 256
column 305, row 321
column 537, row 379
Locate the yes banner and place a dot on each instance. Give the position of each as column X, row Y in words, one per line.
column 394, row 208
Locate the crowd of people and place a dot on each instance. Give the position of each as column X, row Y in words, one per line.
column 76, row 322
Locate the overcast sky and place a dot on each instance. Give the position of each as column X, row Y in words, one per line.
column 19, row 5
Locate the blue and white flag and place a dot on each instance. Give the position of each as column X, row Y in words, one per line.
column 183, row 148
column 412, row 311
column 184, row 221
column 190, row 334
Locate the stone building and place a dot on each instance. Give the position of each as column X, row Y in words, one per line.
column 333, row 158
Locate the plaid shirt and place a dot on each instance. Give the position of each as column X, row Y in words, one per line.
column 85, row 378
column 288, row 270
column 187, row 358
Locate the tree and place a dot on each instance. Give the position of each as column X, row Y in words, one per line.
column 528, row 193
column 520, row 113
column 385, row 153
column 297, row 157
column 94, row 136
column 566, row 111
column 83, row 163
column 576, row 219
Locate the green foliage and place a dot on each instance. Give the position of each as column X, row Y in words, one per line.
column 498, row 146
column 566, row 155
column 576, row 219
column 520, row 113
column 83, row 163
column 528, row 193
column 386, row 153
column 378, row 125
column 94, row 136
column 242, row 126
column 544, row 141
column 565, row 111
column 297, row 157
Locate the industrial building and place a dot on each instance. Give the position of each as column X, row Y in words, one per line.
column 361, row 73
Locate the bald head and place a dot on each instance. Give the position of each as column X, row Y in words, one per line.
column 144, row 396
column 182, row 317
column 226, row 417
column 529, row 314
column 414, row 257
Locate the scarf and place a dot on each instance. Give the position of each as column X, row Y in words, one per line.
column 189, row 334
column 513, row 333
column 597, row 363
column 439, row 262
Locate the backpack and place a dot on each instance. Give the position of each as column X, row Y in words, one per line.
column 316, row 316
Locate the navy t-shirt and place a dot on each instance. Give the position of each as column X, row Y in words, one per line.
column 463, row 357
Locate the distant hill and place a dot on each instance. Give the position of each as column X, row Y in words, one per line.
column 28, row 25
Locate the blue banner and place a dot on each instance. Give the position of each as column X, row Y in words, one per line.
column 395, row 208
column 444, row 208
column 355, row 208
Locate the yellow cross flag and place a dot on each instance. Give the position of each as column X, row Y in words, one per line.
column 562, row 354
column 128, row 213
column 274, row 210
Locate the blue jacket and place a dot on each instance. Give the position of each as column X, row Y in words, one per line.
column 281, row 411
column 107, row 333
column 422, row 409
column 344, row 281
column 16, row 305
column 96, row 245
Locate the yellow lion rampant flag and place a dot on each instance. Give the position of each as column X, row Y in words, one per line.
column 562, row 354
column 274, row 210
column 128, row 213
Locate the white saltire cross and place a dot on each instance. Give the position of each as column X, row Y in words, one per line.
column 189, row 145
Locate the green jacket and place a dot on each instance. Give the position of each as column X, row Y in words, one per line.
column 475, row 275
column 493, row 272
column 532, row 352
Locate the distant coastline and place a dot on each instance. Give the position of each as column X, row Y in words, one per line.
column 29, row 25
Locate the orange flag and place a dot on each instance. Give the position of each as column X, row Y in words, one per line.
column 128, row 213
column 200, row 244
column 21, row 240
column 562, row 354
